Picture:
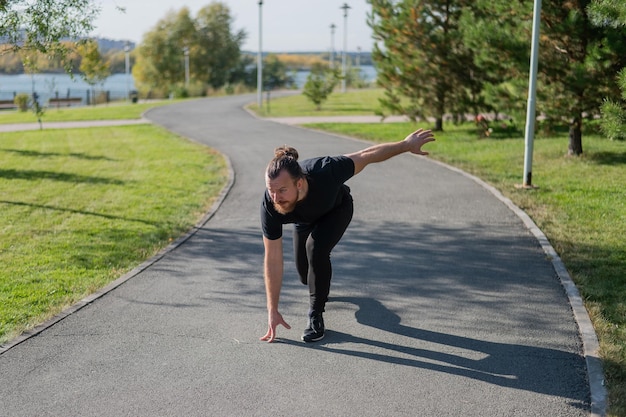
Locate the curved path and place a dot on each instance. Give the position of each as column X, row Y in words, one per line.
column 443, row 304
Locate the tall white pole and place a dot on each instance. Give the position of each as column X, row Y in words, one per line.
column 532, row 95
column 345, row 8
column 127, row 62
column 186, row 52
column 259, row 63
column 332, row 45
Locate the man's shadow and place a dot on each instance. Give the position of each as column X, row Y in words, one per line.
column 536, row 369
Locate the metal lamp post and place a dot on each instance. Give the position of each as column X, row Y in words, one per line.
column 186, row 52
column 532, row 93
column 259, row 59
column 127, row 61
column 332, row 45
column 345, row 8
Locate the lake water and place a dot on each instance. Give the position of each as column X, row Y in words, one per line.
column 117, row 85
column 368, row 73
column 51, row 85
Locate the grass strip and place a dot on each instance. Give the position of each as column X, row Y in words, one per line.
column 113, row 111
column 81, row 207
column 351, row 103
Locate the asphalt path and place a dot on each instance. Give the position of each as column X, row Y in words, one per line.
column 443, row 303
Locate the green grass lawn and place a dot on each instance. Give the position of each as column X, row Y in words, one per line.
column 357, row 102
column 80, row 207
column 113, row 111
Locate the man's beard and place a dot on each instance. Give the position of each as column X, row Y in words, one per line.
column 285, row 209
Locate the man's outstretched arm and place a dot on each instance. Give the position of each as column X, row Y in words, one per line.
column 378, row 153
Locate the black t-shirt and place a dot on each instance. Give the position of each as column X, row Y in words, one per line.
column 325, row 176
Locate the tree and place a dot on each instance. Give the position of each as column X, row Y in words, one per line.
column 94, row 69
column 578, row 66
column 29, row 58
column 41, row 25
column 214, row 52
column 577, row 61
column 498, row 33
column 612, row 13
column 275, row 73
column 320, row 83
column 420, row 56
column 160, row 60
column 217, row 50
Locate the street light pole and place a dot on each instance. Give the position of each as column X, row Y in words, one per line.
column 186, row 52
column 259, row 59
column 127, row 62
column 345, row 8
column 332, row 45
column 532, row 93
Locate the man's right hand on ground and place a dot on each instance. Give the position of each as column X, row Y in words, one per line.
column 273, row 320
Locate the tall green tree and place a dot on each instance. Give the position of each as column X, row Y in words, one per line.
column 214, row 51
column 41, row 25
column 160, row 57
column 421, row 59
column 577, row 60
column 498, row 33
column 217, row 49
column 578, row 65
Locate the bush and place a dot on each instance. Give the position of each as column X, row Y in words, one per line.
column 319, row 85
column 22, row 102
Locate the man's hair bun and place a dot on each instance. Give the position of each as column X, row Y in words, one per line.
column 286, row 151
column 285, row 157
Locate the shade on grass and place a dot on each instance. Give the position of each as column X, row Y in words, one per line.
column 81, row 207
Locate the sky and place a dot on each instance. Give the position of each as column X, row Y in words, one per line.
column 287, row 25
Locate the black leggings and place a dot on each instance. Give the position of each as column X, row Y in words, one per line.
column 312, row 244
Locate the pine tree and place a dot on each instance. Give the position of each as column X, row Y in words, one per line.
column 577, row 60
column 612, row 13
column 420, row 57
column 320, row 83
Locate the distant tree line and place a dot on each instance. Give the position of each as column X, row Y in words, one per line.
column 14, row 62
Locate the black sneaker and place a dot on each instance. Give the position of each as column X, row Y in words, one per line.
column 315, row 329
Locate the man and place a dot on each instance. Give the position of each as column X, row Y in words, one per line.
column 312, row 194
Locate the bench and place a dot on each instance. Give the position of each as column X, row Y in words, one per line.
column 7, row 104
column 65, row 102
